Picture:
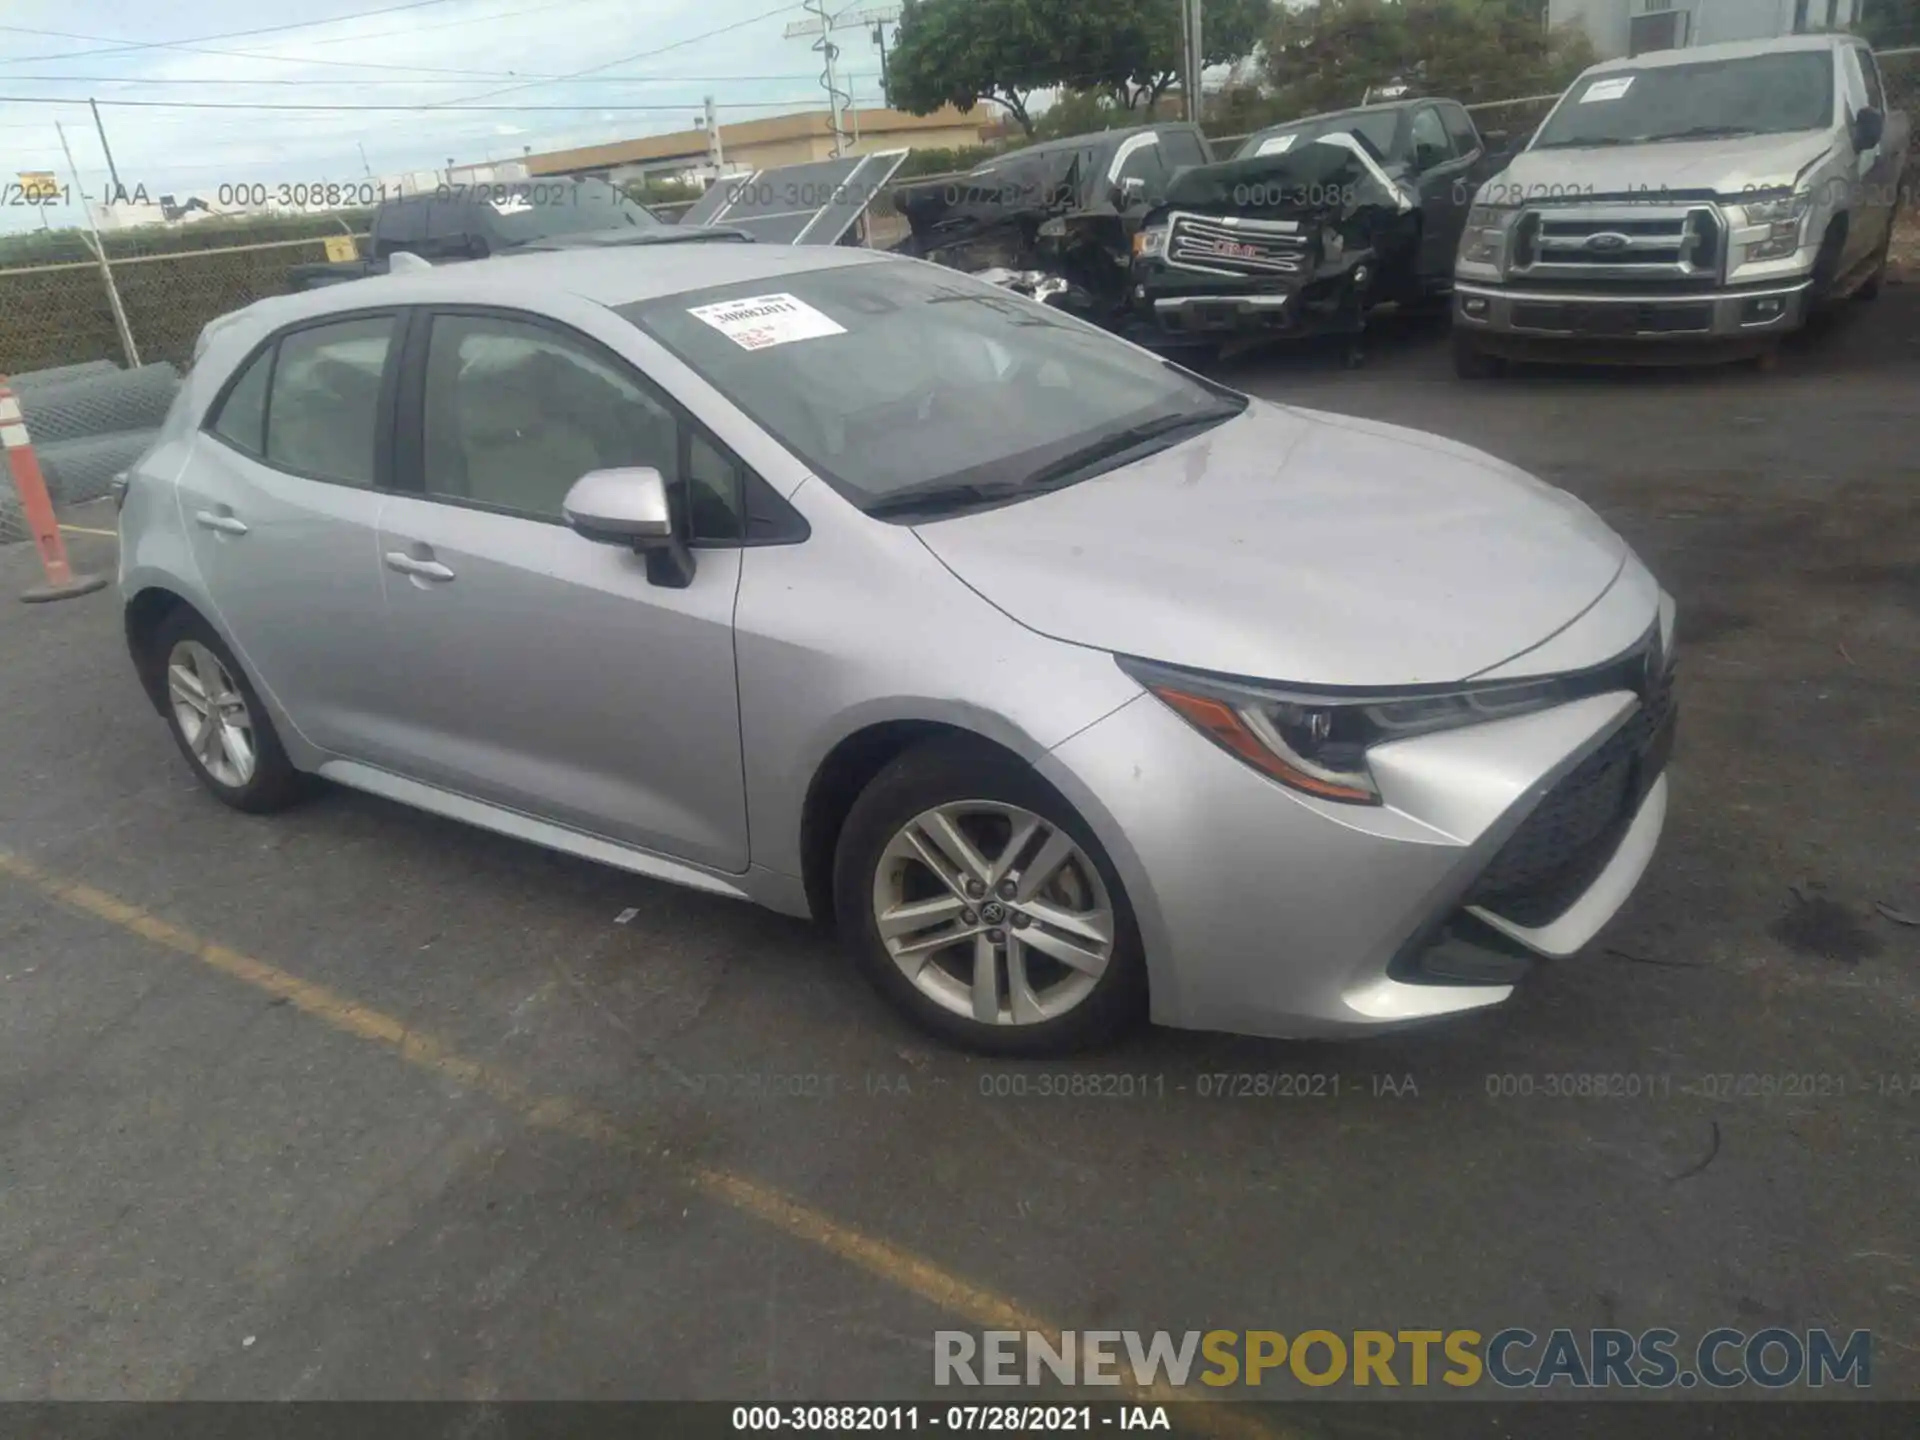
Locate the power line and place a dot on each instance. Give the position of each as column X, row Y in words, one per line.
column 356, row 84
column 449, row 107
column 626, row 59
column 116, row 45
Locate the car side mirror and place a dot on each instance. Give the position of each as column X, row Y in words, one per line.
column 630, row 506
column 1868, row 127
column 1133, row 189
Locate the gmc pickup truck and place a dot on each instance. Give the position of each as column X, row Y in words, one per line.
column 1685, row 204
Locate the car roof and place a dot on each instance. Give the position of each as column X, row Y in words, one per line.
column 1384, row 107
column 1728, row 50
column 621, row 275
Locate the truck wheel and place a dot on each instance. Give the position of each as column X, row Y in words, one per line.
column 1470, row 362
column 1870, row 288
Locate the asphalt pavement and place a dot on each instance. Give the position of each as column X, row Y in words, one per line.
column 353, row 1102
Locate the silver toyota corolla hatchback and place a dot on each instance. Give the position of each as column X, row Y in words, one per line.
column 1071, row 687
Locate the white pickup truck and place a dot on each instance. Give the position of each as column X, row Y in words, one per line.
column 1684, row 202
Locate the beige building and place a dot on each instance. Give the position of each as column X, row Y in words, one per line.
column 763, row 144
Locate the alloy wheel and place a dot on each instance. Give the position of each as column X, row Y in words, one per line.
column 212, row 714
column 993, row 912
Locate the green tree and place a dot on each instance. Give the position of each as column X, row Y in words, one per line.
column 963, row 52
column 1324, row 56
column 1891, row 23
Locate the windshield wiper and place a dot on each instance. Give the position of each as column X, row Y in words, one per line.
column 937, row 499
column 1700, row 132
column 1598, row 142
column 1078, row 464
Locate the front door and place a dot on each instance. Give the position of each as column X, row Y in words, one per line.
column 1441, row 176
column 281, row 505
column 543, row 671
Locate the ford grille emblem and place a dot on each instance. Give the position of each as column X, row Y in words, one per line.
column 1608, row 242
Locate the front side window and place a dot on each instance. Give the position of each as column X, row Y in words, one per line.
column 1430, row 143
column 323, row 411
column 517, row 412
column 243, row 414
column 1460, row 128
column 1761, row 95
column 895, row 379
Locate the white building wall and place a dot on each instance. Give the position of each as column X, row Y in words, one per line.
column 1709, row 22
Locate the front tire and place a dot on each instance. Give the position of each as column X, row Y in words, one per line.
column 1470, row 362
column 218, row 721
column 981, row 906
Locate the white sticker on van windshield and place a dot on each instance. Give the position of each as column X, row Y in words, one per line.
column 1606, row 89
column 1276, row 144
column 760, row 321
column 512, row 205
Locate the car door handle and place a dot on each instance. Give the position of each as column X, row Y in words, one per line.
column 225, row 524
column 422, row 569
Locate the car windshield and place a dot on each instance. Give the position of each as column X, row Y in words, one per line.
column 533, row 209
column 1374, row 128
column 907, row 386
column 1761, row 95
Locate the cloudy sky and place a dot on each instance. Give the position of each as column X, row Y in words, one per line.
column 573, row 72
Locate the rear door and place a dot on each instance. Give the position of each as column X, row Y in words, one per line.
column 281, row 498
column 544, row 672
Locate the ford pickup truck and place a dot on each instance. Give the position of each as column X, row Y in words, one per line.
column 1683, row 205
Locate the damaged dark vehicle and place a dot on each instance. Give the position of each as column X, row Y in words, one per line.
column 1054, row 221
column 1309, row 227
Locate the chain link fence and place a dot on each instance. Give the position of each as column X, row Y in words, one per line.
column 60, row 314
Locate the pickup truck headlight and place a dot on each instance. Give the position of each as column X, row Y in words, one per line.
column 1150, row 243
column 1785, row 216
column 1484, row 241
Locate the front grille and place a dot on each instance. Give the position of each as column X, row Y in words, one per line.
column 1235, row 245
column 1613, row 319
column 1630, row 242
column 1561, row 848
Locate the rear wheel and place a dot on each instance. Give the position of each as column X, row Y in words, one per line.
column 981, row 905
column 218, row 721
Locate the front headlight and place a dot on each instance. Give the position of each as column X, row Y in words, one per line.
column 1150, row 242
column 1318, row 744
column 1484, row 241
column 1785, row 217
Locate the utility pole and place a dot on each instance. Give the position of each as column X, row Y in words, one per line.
column 105, row 148
column 100, row 254
column 364, row 163
column 1196, row 59
column 880, row 41
column 716, row 156
column 822, row 24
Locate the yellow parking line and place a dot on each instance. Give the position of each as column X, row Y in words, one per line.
column 83, row 530
column 897, row 1266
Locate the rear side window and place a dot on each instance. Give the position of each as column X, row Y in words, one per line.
column 242, row 417
column 323, row 409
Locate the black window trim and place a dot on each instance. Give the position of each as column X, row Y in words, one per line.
column 383, row 430
column 410, row 421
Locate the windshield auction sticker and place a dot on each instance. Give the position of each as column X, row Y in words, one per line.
column 761, row 321
column 1276, row 144
column 1606, row 89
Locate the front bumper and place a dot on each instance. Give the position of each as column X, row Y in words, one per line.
column 1267, row 912
column 1750, row 313
column 1180, row 306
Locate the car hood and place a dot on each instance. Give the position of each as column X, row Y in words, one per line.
column 1729, row 167
column 1294, row 546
